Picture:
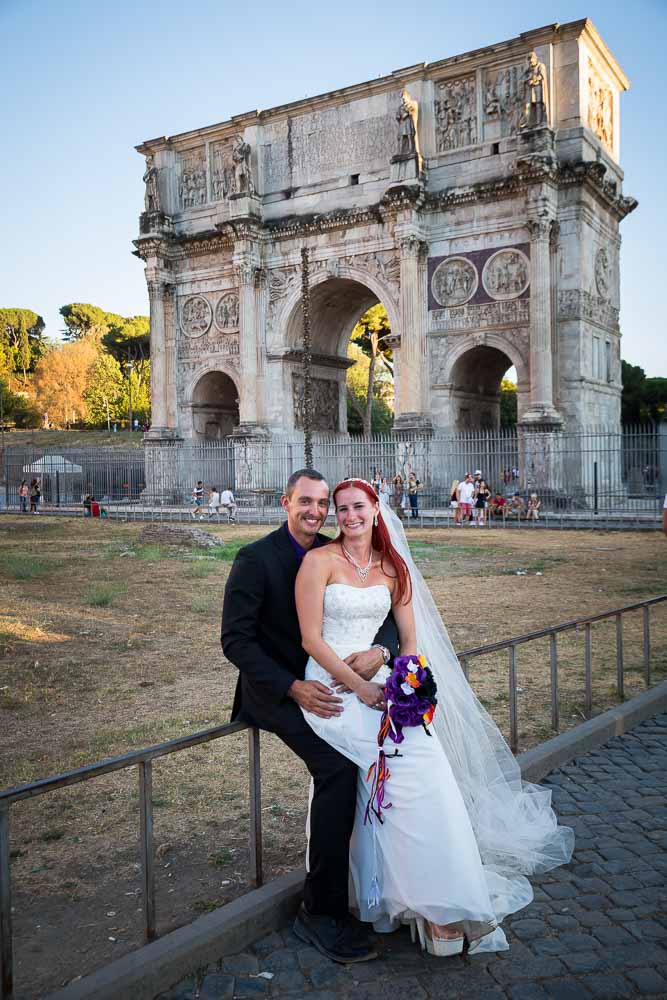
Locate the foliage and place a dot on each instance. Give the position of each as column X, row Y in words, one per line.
column 85, row 320
column 17, row 407
column 22, row 341
column 642, row 398
column 508, row 403
column 128, row 339
column 106, row 394
column 62, row 378
column 370, row 389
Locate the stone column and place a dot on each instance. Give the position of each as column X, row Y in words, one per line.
column 409, row 399
column 542, row 408
column 159, row 406
column 246, row 269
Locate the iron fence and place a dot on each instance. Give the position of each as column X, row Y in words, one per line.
column 596, row 469
column 143, row 759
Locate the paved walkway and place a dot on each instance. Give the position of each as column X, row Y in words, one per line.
column 597, row 928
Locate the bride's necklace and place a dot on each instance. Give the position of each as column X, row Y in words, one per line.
column 362, row 571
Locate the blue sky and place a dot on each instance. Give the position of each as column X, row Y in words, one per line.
column 84, row 81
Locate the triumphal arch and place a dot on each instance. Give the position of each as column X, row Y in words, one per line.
column 478, row 198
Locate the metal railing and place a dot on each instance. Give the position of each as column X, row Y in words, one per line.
column 143, row 760
column 511, row 645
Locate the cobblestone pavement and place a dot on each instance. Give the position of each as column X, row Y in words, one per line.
column 597, row 928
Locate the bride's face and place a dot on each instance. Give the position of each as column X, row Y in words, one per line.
column 355, row 512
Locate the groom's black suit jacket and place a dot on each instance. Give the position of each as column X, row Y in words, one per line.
column 261, row 635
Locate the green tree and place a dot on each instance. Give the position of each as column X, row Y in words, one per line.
column 642, row 398
column 17, row 408
column 508, row 403
column 106, row 393
column 85, row 320
column 128, row 339
column 22, row 340
column 370, row 381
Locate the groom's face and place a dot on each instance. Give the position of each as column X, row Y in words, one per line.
column 307, row 509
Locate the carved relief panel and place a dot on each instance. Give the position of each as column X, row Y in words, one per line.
column 503, row 97
column 506, row 274
column 227, row 312
column 220, row 166
column 454, row 281
column 600, row 108
column 456, row 114
column 602, row 273
column 325, row 403
column 192, row 179
column 196, row 316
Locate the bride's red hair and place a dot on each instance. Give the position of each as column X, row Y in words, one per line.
column 381, row 541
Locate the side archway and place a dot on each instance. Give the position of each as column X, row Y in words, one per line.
column 215, row 406
column 471, row 376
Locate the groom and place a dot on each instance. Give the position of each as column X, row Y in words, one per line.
column 261, row 637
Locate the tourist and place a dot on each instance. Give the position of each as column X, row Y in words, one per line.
column 376, row 481
column 197, row 499
column 534, row 504
column 213, row 503
column 664, row 515
column 414, row 486
column 482, row 495
column 24, row 493
column 516, row 506
column 398, row 494
column 86, row 504
column 466, row 494
column 385, row 491
column 228, row 503
column 35, row 496
column 497, row 506
column 454, row 501
column 477, row 479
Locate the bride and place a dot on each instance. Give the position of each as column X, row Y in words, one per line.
column 451, row 853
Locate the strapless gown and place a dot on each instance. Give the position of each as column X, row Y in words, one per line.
column 424, row 856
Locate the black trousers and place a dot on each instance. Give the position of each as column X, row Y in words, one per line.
column 332, row 812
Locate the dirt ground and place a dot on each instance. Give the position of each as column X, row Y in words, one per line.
column 108, row 644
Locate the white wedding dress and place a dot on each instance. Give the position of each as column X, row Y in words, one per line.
column 424, row 855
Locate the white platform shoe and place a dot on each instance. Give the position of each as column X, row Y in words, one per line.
column 437, row 946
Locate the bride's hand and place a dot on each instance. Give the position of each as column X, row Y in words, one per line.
column 371, row 695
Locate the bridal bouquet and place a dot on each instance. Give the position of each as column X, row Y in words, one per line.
column 410, row 693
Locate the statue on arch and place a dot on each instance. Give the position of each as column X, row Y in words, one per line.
column 536, row 94
column 243, row 183
column 406, row 117
column 152, row 193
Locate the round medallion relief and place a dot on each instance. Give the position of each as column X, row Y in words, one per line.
column 506, row 274
column 196, row 316
column 602, row 273
column 454, row 281
column 227, row 312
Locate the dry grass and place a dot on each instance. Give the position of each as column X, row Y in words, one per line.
column 84, row 679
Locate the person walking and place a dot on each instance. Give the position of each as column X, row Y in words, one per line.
column 482, row 495
column 399, row 489
column 35, row 496
column 24, row 493
column 414, row 486
column 197, row 499
column 454, row 501
column 466, row 496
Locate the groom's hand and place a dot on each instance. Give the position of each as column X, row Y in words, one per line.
column 317, row 698
column 366, row 664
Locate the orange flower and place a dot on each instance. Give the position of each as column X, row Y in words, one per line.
column 412, row 680
column 428, row 715
column 422, row 661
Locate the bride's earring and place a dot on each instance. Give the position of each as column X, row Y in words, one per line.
column 375, row 521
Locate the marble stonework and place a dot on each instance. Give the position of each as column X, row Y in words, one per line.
column 478, row 198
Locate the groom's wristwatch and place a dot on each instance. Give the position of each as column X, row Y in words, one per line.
column 386, row 655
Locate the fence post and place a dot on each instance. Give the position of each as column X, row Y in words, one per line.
column 514, row 729
column 6, row 957
column 553, row 657
column 647, row 646
column 589, row 679
column 620, row 679
column 255, row 779
column 147, row 853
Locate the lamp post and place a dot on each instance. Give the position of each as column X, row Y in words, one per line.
column 307, row 360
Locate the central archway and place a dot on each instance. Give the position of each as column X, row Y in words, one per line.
column 336, row 305
column 215, row 407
